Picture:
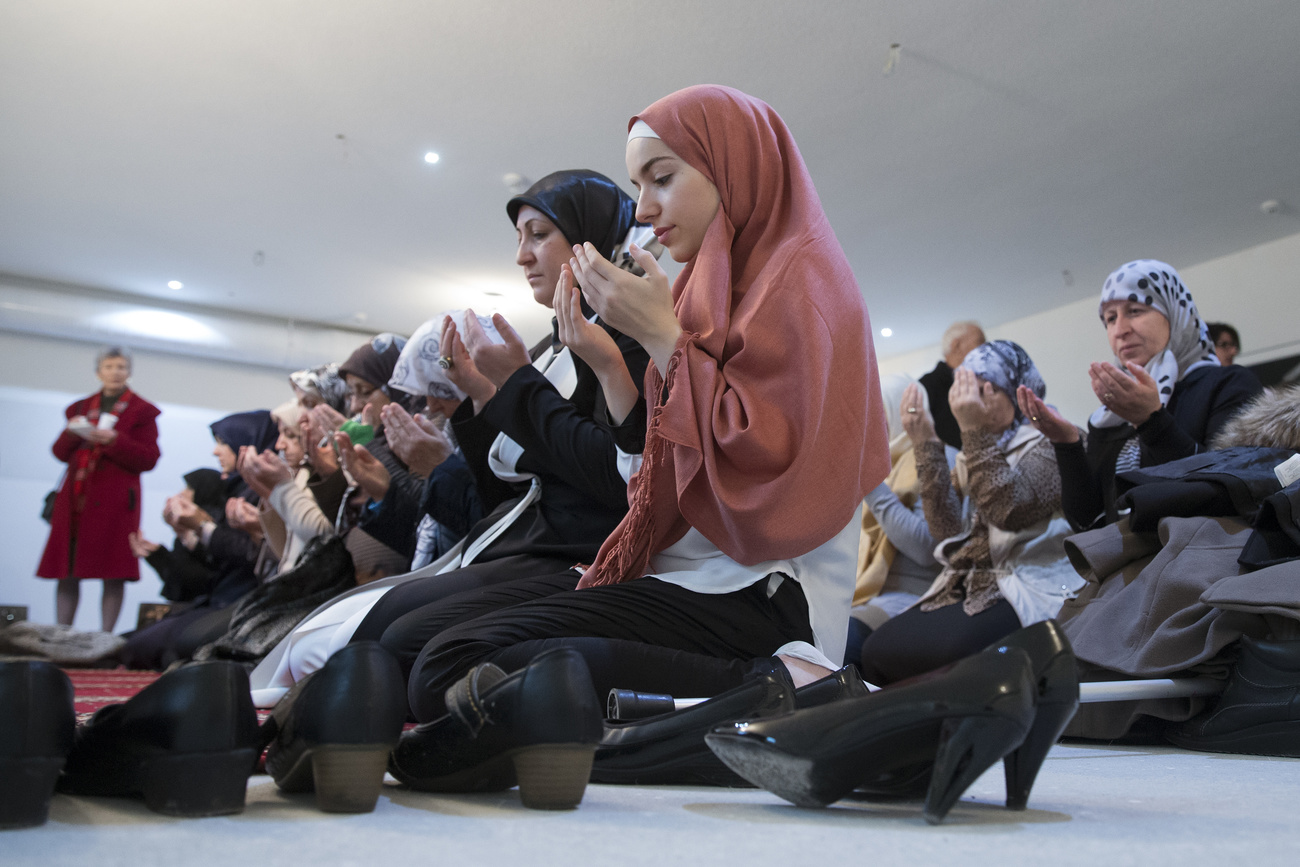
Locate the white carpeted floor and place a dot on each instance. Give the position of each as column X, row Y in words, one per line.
column 1100, row 806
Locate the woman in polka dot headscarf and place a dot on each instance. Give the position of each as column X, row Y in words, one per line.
column 1162, row 399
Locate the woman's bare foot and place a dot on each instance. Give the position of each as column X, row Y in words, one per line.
column 803, row 673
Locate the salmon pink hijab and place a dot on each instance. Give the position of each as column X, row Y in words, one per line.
column 771, row 428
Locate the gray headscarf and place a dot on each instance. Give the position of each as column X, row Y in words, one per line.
column 325, row 383
column 1006, row 366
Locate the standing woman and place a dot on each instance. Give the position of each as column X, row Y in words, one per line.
column 111, row 438
column 765, row 431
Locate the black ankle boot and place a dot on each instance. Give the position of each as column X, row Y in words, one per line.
column 537, row 728
column 1259, row 711
column 333, row 732
column 36, row 729
column 669, row 749
column 187, row 743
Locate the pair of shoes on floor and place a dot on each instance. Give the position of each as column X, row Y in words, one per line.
column 333, row 732
column 1259, row 711
column 36, row 731
column 186, row 743
column 669, row 748
column 1009, row 702
column 536, row 728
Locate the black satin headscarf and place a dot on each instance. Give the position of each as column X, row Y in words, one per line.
column 585, row 205
column 255, row 428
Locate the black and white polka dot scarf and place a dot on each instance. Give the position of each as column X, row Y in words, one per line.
column 1156, row 284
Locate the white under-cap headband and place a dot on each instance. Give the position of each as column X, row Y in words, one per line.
column 641, row 129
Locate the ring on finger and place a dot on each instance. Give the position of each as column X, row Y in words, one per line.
column 446, row 363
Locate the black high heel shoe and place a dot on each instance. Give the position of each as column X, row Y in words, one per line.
column 1056, row 679
column 333, row 732
column 537, row 728
column 966, row 719
column 36, row 730
column 186, row 742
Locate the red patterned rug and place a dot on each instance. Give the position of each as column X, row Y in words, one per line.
column 95, row 687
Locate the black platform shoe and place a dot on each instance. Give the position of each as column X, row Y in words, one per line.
column 333, row 732
column 187, row 743
column 1259, row 711
column 669, row 749
column 962, row 721
column 536, row 728
column 36, row 729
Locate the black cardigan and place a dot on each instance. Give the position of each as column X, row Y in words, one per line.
column 1200, row 405
column 568, row 444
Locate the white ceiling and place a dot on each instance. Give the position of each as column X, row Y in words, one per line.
column 142, row 142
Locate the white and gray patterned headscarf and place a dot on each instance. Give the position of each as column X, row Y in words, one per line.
column 418, row 372
column 325, row 383
column 1156, row 284
column 1006, row 366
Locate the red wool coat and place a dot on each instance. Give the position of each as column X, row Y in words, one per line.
column 112, row 497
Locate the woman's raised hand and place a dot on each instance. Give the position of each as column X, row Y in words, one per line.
column 243, row 515
column 1052, row 424
column 416, row 440
column 1133, row 398
column 321, row 457
column 918, row 424
column 140, row 546
column 586, row 340
column 971, row 401
column 496, row 361
column 462, row 370
column 264, row 472
column 364, row 468
column 640, row 307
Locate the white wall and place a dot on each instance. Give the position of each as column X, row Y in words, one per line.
column 39, row 376
column 1255, row 290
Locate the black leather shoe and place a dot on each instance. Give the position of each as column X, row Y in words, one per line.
column 536, row 728
column 962, row 721
column 333, row 732
column 36, row 729
column 669, row 749
column 187, row 743
column 1259, row 711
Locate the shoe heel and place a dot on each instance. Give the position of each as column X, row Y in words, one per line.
column 967, row 748
column 553, row 776
column 197, row 784
column 1022, row 765
column 349, row 777
column 28, row 787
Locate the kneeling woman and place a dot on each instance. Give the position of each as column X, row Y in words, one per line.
column 766, row 429
column 998, row 514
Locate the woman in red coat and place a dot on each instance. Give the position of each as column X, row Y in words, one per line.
column 111, row 438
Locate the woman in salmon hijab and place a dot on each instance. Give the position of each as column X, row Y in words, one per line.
column 766, row 429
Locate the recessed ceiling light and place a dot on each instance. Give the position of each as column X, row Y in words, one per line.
column 886, row 332
column 175, row 284
column 1272, row 206
column 431, row 158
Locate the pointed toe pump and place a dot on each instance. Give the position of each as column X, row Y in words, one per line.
column 537, row 727
column 36, row 731
column 187, row 743
column 962, row 721
column 333, row 732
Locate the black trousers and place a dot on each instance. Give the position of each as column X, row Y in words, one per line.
column 645, row 634
column 427, row 594
column 918, row 641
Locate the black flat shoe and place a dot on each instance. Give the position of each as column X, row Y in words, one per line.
column 1258, row 713
column 187, row 743
column 333, row 732
column 669, row 749
column 36, row 729
column 537, row 728
column 963, row 721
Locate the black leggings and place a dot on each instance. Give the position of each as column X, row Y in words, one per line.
column 918, row 641
column 644, row 634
